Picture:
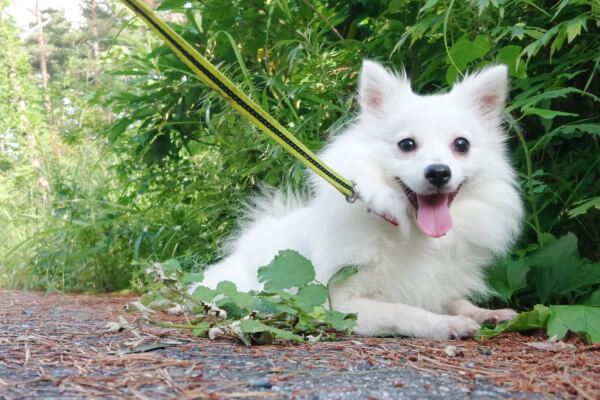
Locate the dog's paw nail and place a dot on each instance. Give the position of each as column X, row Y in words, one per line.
column 494, row 317
column 458, row 327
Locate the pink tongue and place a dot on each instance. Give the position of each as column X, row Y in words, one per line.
column 433, row 215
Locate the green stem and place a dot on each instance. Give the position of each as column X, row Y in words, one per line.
column 167, row 324
column 446, row 17
column 529, row 171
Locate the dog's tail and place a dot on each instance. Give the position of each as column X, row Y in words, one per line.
column 275, row 203
column 268, row 204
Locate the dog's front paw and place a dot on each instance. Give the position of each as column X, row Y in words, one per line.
column 455, row 327
column 494, row 317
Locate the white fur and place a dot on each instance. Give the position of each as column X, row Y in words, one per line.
column 408, row 283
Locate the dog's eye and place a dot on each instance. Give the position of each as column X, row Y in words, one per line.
column 407, row 145
column 461, row 145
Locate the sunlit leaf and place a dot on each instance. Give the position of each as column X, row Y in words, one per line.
column 288, row 269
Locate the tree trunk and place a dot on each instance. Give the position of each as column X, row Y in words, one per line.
column 95, row 43
column 43, row 65
column 26, row 128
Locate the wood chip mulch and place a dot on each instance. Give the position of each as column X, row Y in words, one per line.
column 51, row 342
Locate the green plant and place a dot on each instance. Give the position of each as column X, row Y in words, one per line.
column 180, row 163
column 253, row 317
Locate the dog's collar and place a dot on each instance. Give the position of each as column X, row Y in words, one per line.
column 385, row 217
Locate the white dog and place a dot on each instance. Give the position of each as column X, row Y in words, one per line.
column 438, row 203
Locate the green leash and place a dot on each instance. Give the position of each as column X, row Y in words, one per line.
column 238, row 100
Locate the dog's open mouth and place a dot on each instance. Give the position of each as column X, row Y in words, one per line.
column 433, row 210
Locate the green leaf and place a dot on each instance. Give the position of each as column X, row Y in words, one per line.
column 311, row 296
column 557, row 253
column 464, row 52
column 511, row 56
column 252, row 326
column 552, row 283
column 240, row 299
column 593, row 299
column 546, row 113
column 150, row 297
column 428, row 5
column 557, row 320
column 507, row 277
column 171, row 4
column 171, row 267
column 583, row 320
column 483, row 4
column 557, row 270
column 204, row 294
column 200, row 329
column 288, row 269
column 525, row 99
column 116, row 129
column 535, row 319
column 574, row 27
column 340, row 321
column 192, row 277
column 342, row 274
column 395, row 5
column 584, row 206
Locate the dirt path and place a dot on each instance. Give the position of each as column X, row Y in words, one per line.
column 57, row 346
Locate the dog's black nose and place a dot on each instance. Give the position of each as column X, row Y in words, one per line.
column 438, row 174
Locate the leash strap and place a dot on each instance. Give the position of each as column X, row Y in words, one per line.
column 218, row 82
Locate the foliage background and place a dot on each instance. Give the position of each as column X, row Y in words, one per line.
column 143, row 163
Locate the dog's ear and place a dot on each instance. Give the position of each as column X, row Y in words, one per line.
column 376, row 87
column 487, row 90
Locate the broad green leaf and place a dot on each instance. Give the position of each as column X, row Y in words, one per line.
column 195, row 148
column 583, row 320
column 150, row 297
column 240, row 299
column 511, row 56
column 552, row 283
column 288, row 269
column 171, row 267
column 535, row 319
column 342, row 274
column 310, row 296
column 192, row 277
column 395, row 5
column 558, row 270
column 204, row 294
column 118, row 128
column 557, row 253
column 593, row 299
column 464, row 52
column 340, row 321
column 507, row 277
column 253, row 326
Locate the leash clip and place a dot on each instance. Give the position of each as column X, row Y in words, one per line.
column 352, row 197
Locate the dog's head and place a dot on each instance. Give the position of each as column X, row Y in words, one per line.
column 433, row 145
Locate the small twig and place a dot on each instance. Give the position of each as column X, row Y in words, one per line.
column 579, row 390
column 322, row 17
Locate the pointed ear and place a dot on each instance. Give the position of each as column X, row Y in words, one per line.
column 487, row 90
column 376, row 87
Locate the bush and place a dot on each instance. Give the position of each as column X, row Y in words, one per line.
column 182, row 161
